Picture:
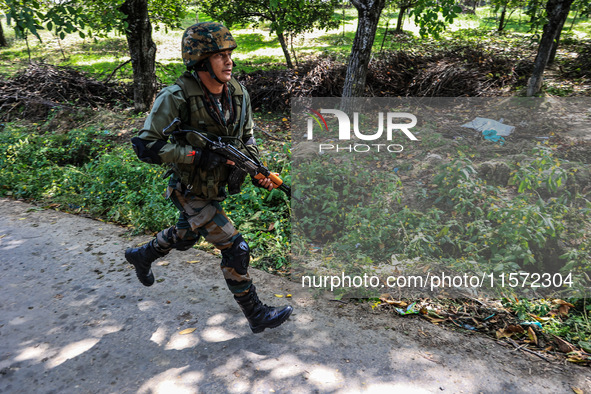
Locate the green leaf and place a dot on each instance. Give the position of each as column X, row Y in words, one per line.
column 586, row 346
column 443, row 232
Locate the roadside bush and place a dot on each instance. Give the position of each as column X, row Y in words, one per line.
column 81, row 172
column 466, row 224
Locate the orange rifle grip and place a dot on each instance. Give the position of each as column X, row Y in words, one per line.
column 274, row 178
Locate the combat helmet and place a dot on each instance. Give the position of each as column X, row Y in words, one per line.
column 203, row 40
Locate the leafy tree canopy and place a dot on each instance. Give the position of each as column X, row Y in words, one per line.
column 95, row 17
column 286, row 17
column 426, row 15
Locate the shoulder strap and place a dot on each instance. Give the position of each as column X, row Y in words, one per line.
column 239, row 90
column 192, row 91
column 236, row 87
column 189, row 85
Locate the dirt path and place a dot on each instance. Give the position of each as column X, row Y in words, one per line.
column 75, row 319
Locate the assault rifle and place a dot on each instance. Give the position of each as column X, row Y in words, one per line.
column 253, row 167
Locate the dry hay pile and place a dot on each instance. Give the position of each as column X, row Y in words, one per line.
column 272, row 89
column 33, row 92
column 452, row 72
column 581, row 66
column 456, row 71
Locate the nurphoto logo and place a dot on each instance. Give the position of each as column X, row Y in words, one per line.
column 389, row 122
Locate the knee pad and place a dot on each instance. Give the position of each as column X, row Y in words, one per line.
column 237, row 256
column 172, row 238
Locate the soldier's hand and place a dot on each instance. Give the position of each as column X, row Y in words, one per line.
column 265, row 183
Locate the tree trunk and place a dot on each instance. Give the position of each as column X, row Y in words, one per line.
column 368, row 17
column 534, row 11
column 293, row 51
column 400, row 20
column 556, row 42
column 142, row 51
column 557, row 11
column 283, row 43
column 502, row 21
column 3, row 42
column 574, row 19
column 385, row 35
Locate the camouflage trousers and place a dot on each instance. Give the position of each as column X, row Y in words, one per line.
column 207, row 219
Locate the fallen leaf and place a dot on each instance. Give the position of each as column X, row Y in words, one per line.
column 279, row 295
column 562, row 302
column 538, row 318
column 193, row 261
column 578, row 358
column 577, row 390
column 563, row 346
column 563, row 310
column 435, row 315
column 288, row 296
column 187, row 331
column 387, row 298
column 532, row 336
column 509, row 331
column 434, row 320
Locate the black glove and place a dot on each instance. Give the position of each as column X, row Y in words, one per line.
column 145, row 154
column 209, row 160
column 235, row 180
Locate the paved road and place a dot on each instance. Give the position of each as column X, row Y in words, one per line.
column 74, row 319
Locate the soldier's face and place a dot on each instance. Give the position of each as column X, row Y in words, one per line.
column 221, row 64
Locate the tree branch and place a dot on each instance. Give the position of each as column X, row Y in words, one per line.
column 115, row 70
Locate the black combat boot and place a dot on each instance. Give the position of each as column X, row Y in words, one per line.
column 259, row 315
column 142, row 259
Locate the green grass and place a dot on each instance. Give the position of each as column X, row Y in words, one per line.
column 256, row 48
column 83, row 171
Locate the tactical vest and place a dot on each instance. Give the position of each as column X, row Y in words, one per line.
column 209, row 185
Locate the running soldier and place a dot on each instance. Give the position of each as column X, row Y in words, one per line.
column 209, row 99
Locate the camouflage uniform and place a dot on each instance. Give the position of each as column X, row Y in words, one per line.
column 196, row 192
column 197, row 186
